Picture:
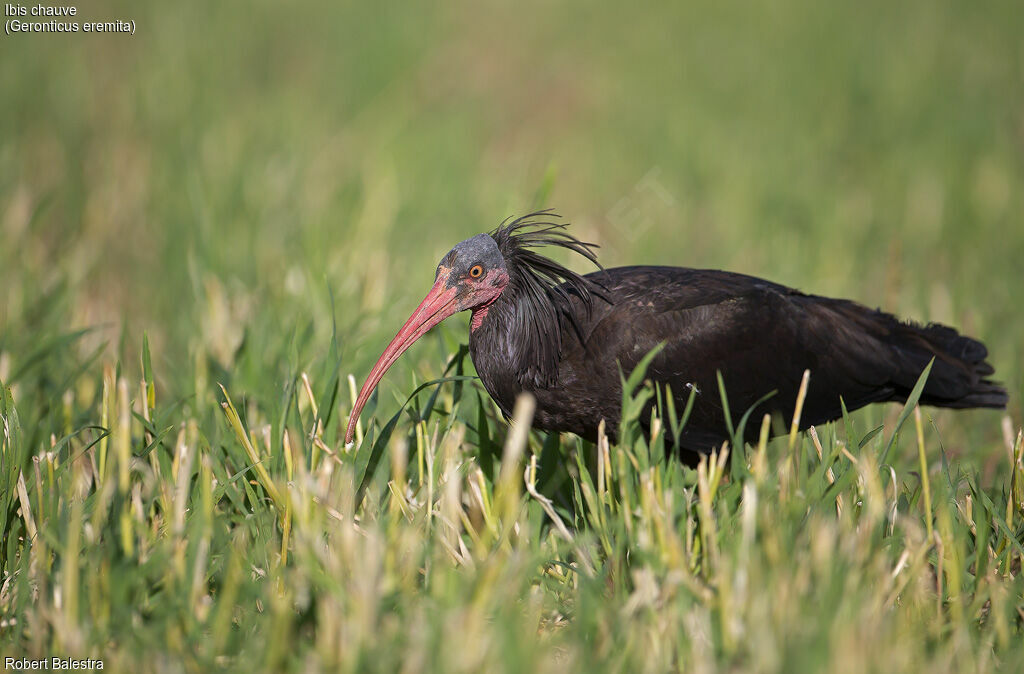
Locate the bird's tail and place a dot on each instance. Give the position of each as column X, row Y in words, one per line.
column 959, row 376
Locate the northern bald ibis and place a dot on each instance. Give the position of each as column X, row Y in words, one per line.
column 539, row 327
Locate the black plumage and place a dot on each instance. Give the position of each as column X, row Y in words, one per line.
column 565, row 338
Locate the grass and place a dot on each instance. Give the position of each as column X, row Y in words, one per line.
column 209, row 229
column 251, row 539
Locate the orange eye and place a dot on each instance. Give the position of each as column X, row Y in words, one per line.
column 477, row 271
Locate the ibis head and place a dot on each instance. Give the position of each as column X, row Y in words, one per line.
column 472, row 275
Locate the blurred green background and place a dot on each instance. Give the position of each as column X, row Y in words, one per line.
column 236, row 177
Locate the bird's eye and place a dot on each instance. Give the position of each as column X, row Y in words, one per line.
column 477, row 271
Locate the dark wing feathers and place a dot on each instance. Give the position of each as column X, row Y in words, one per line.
column 762, row 336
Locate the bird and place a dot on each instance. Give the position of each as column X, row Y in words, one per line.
column 538, row 327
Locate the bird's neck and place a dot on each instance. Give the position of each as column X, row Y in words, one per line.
column 516, row 337
column 479, row 314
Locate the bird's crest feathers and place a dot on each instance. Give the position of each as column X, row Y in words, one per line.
column 543, row 289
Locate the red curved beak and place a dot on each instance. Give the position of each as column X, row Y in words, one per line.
column 439, row 304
